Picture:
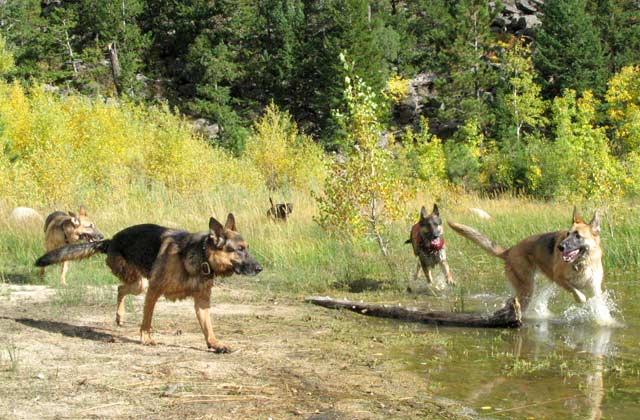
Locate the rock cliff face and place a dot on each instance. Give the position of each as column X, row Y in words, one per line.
column 520, row 17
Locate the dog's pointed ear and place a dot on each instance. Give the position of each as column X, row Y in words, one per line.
column 82, row 211
column 435, row 210
column 215, row 228
column 576, row 217
column 595, row 223
column 423, row 213
column 231, row 223
column 73, row 219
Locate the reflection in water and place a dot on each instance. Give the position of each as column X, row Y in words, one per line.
column 537, row 342
column 597, row 343
column 593, row 341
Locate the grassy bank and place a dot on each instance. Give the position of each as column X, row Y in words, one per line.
column 301, row 258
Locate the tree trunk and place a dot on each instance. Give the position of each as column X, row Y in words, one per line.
column 115, row 66
column 507, row 317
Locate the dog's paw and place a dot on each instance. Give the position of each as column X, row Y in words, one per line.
column 218, row 348
column 146, row 340
column 119, row 321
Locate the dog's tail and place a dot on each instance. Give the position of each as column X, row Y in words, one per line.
column 477, row 237
column 73, row 252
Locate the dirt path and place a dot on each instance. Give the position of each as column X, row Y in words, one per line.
column 290, row 361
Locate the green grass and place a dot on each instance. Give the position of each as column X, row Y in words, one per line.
column 301, row 258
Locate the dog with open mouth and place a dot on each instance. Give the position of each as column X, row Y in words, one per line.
column 570, row 258
column 427, row 239
column 65, row 228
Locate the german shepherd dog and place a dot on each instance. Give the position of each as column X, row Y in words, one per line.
column 177, row 264
column 427, row 239
column 571, row 258
column 280, row 211
column 62, row 228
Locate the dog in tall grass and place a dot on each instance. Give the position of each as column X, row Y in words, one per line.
column 168, row 262
column 62, row 229
column 570, row 258
column 427, row 239
column 280, row 211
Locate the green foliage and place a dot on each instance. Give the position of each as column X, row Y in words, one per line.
column 356, row 27
column 427, row 29
column 65, row 150
column 463, row 91
column 579, row 162
column 617, row 21
column 520, row 106
column 285, row 158
column 463, row 155
column 362, row 193
column 568, row 52
column 423, row 154
column 623, row 100
column 115, row 23
column 7, row 63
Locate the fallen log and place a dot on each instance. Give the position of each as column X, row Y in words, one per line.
column 507, row 317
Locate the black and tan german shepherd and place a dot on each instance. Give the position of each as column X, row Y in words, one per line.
column 64, row 228
column 427, row 239
column 571, row 258
column 177, row 264
column 279, row 211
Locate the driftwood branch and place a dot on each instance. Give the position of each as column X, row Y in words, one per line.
column 507, row 317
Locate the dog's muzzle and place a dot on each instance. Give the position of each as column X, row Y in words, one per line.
column 248, row 268
column 92, row 237
column 570, row 253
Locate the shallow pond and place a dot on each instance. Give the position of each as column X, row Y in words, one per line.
column 560, row 365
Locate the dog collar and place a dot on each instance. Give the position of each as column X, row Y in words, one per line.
column 205, row 267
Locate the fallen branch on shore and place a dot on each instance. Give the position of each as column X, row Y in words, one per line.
column 507, row 317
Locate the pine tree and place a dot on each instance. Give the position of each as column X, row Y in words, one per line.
column 331, row 27
column 568, row 53
column 618, row 23
column 468, row 75
column 24, row 29
column 427, row 29
column 271, row 49
column 110, row 28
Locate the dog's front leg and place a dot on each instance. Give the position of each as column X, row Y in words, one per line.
column 202, row 303
column 427, row 271
column 417, row 272
column 63, row 273
column 447, row 272
column 578, row 295
column 149, row 304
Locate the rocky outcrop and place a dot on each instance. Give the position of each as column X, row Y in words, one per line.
column 209, row 130
column 520, row 17
column 421, row 90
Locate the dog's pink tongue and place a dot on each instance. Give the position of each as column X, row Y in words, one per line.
column 570, row 256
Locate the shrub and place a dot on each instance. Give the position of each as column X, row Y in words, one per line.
column 284, row 157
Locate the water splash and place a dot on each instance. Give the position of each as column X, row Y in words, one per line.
column 539, row 305
column 597, row 310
